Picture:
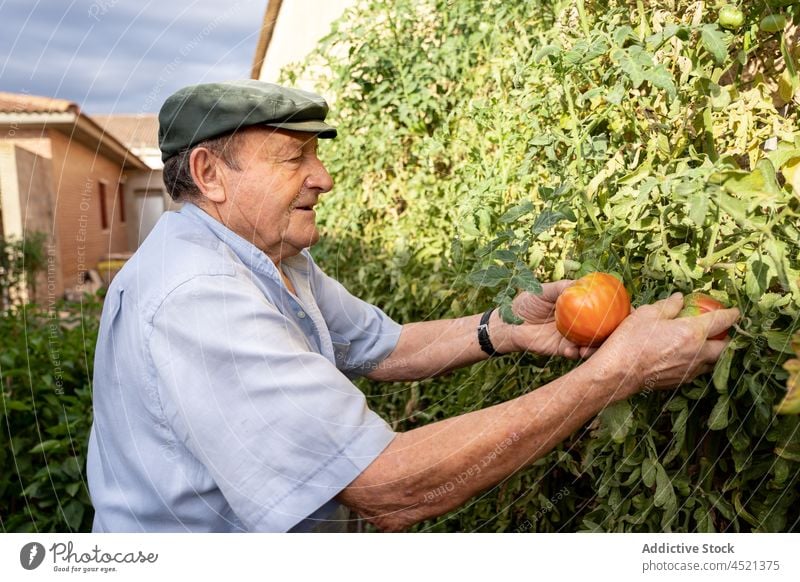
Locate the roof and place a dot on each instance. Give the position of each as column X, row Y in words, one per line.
column 24, row 103
column 135, row 131
column 20, row 110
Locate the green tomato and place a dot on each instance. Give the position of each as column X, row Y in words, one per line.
column 773, row 23
column 731, row 17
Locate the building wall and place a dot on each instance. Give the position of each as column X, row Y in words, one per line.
column 33, row 140
column 37, row 199
column 9, row 195
column 296, row 35
column 77, row 173
column 26, row 183
column 27, row 140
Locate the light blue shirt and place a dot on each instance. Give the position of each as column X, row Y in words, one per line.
column 222, row 401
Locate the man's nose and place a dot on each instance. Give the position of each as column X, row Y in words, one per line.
column 319, row 178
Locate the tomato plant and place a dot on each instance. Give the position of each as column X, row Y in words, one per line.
column 590, row 309
column 505, row 143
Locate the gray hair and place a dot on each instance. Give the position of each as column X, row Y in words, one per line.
column 178, row 175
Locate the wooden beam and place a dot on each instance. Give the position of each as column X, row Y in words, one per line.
column 267, row 28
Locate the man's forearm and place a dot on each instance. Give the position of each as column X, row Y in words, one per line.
column 427, row 349
column 431, row 470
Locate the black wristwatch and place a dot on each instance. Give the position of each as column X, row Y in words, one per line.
column 483, row 335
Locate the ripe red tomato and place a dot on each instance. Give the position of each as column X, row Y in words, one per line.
column 591, row 308
column 698, row 304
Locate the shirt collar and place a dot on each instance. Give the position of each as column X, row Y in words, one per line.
column 252, row 257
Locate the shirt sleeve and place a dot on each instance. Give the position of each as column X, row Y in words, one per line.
column 369, row 333
column 280, row 429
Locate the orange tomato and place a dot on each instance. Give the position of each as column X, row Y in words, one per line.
column 591, row 308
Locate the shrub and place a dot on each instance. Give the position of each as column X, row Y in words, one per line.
column 45, row 366
column 487, row 145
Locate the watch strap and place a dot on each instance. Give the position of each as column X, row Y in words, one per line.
column 483, row 334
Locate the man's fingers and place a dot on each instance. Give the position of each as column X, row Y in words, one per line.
column 712, row 350
column 551, row 291
column 716, row 322
column 666, row 308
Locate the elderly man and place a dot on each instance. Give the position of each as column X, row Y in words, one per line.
column 222, row 391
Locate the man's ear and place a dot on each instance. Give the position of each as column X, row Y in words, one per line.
column 206, row 172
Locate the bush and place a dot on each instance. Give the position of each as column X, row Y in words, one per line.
column 21, row 260
column 632, row 137
column 46, row 367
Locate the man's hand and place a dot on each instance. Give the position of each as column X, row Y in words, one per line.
column 658, row 350
column 539, row 334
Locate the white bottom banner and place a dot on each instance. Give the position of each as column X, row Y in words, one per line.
column 402, row 557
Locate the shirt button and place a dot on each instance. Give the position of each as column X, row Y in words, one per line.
column 301, row 314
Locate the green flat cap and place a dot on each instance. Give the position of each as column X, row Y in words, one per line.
column 200, row 112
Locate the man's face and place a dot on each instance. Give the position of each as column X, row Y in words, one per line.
column 270, row 200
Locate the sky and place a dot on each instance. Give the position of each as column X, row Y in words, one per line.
column 124, row 56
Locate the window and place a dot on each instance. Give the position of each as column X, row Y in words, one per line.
column 121, row 201
column 101, row 187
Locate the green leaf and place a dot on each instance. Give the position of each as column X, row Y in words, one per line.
column 679, row 426
column 584, row 51
column 660, row 77
column 616, row 94
column 788, row 452
column 704, row 522
column 780, row 341
column 73, row 514
column 716, row 42
column 656, row 40
column 718, row 419
column 721, row 504
column 468, row 228
column 525, row 279
column 648, row 472
column 622, row 34
column 547, row 220
column 72, row 467
column 46, row 446
column 618, row 418
column 784, row 152
column 491, row 276
column 722, row 371
column 719, row 97
column 541, row 140
column 760, row 182
column 634, row 63
column 547, row 51
column 504, row 255
column 517, row 212
column 665, row 492
column 758, row 276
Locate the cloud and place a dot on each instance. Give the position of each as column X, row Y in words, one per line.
column 121, row 56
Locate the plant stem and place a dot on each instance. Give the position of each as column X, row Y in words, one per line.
column 582, row 16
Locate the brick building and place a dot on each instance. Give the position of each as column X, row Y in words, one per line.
column 63, row 175
column 146, row 197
